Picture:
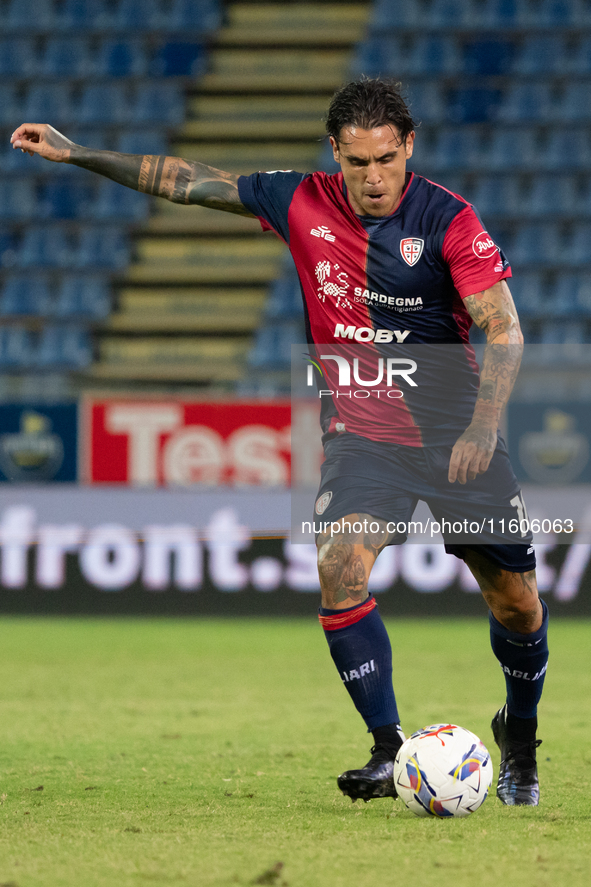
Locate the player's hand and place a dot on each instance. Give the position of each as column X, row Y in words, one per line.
column 472, row 452
column 42, row 139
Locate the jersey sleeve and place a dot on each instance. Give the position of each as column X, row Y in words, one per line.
column 474, row 259
column 268, row 195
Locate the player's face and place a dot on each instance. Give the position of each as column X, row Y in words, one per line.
column 373, row 162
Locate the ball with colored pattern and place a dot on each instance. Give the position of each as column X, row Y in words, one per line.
column 443, row 770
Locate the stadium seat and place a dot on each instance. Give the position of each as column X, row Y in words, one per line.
column 116, row 202
column 448, row 13
column 66, row 57
column 17, row 57
column 45, row 247
column 526, row 102
column 539, row 54
column 553, row 333
column 535, row 243
column 63, row 346
column 9, row 245
column 157, row 102
column 9, row 105
column 566, row 149
column 433, row 54
column 143, row 142
column 510, row 149
column 561, row 13
column 16, row 347
column 579, row 62
column 26, row 294
column 487, row 57
column 61, row 198
column 387, row 15
column 454, row 150
column 502, row 13
column 551, row 196
column 83, row 15
column 103, row 103
column 17, row 199
column 473, row 104
column 83, row 296
column 273, row 344
column 529, row 292
column 102, row 248
column 117, row 57
column 577, row 248
column 285, row 298
column 385, row 56
column 48, row 102
column 497, row 195
column 576, row 103
column 179, row 59
column 133, row 16
column 194, row 16
column 20, row 15
column 426, row 102
column 571, row 296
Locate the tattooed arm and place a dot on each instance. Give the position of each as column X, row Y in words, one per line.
column 494, row 312
column 175, row 179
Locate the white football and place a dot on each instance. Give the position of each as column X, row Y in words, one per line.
column 443, row 770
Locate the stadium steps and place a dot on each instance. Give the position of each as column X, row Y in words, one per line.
column 188, row 305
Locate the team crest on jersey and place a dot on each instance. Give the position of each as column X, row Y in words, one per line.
column 411, row 249
column 322, row 503
column 335, row 285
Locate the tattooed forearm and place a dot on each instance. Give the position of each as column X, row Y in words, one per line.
column 175, row 179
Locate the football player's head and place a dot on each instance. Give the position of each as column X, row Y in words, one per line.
column 372, row 135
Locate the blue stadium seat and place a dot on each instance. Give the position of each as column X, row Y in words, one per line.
column 83, row 15
column 179, row 59
column 571, row 296
column 497, row 195
column 561, row 13
column 68, row 346
column 273, row 344
column 134, row 16
column 285, row 298
column 48, row 102
column 388, row 15
column 17, row 199
column 17, row 57
column 83, row 296
column 561, row 334
column 579, row 62
column 25, row 294
column 529, row 293
column 45, row 247
column 539, row 54
column 326, row 161
column 551, row 196
column 426, row 102
column 510, row 149
column 197, row 16
column 433, row 54
column 16, row 347
column 502, row 13
column 450, row 13
column 9, row 245
column 102, row 248
column 473, row 104
column 103, row 103
column 535, row 243
column 119, row 203
column 566, row 149
column 66, row 57
column 577, row 249
column 21, row 15
column 487, row 57
column 161, row 103
column 457, row 151
column 576, row 103
column 380, row 55
column 526, row 102
column 117, row 57
column 60, row 198
column 9, row 105
column 143, row 142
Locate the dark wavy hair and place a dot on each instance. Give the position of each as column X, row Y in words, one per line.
column 369, row 103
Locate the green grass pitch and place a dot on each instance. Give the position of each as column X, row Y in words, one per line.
column 204, row 752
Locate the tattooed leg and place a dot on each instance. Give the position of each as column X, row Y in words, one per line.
column 345, row 560
column 512, row 597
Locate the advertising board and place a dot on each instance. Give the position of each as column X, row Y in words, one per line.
column 38, row 442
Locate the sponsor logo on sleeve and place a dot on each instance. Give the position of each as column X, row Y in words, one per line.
column 484, row 246
column 411, row 249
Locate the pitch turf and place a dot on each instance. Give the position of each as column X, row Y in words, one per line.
column 144, row 752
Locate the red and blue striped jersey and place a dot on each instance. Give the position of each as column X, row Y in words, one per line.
column 389, row 282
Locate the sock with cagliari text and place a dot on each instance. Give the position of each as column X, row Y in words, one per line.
column 360, row 648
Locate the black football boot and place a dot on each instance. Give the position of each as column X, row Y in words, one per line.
column 517, row 784
column 375, row 780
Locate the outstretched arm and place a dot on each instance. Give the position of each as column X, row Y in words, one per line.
column 494, row 312
column 175, row 179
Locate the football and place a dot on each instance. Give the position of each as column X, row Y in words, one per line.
column 443, row 770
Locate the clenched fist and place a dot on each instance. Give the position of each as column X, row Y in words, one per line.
column 42, row 139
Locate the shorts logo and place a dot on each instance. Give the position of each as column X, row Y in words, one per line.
column 322, row 503
column 484, row 246
column 411, row 249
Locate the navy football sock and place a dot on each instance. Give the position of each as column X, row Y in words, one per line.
column 360, row 648
column 524, row 659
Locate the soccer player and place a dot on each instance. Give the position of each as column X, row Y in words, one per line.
column 386, row 256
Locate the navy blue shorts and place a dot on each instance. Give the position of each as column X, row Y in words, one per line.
column 386, row 481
